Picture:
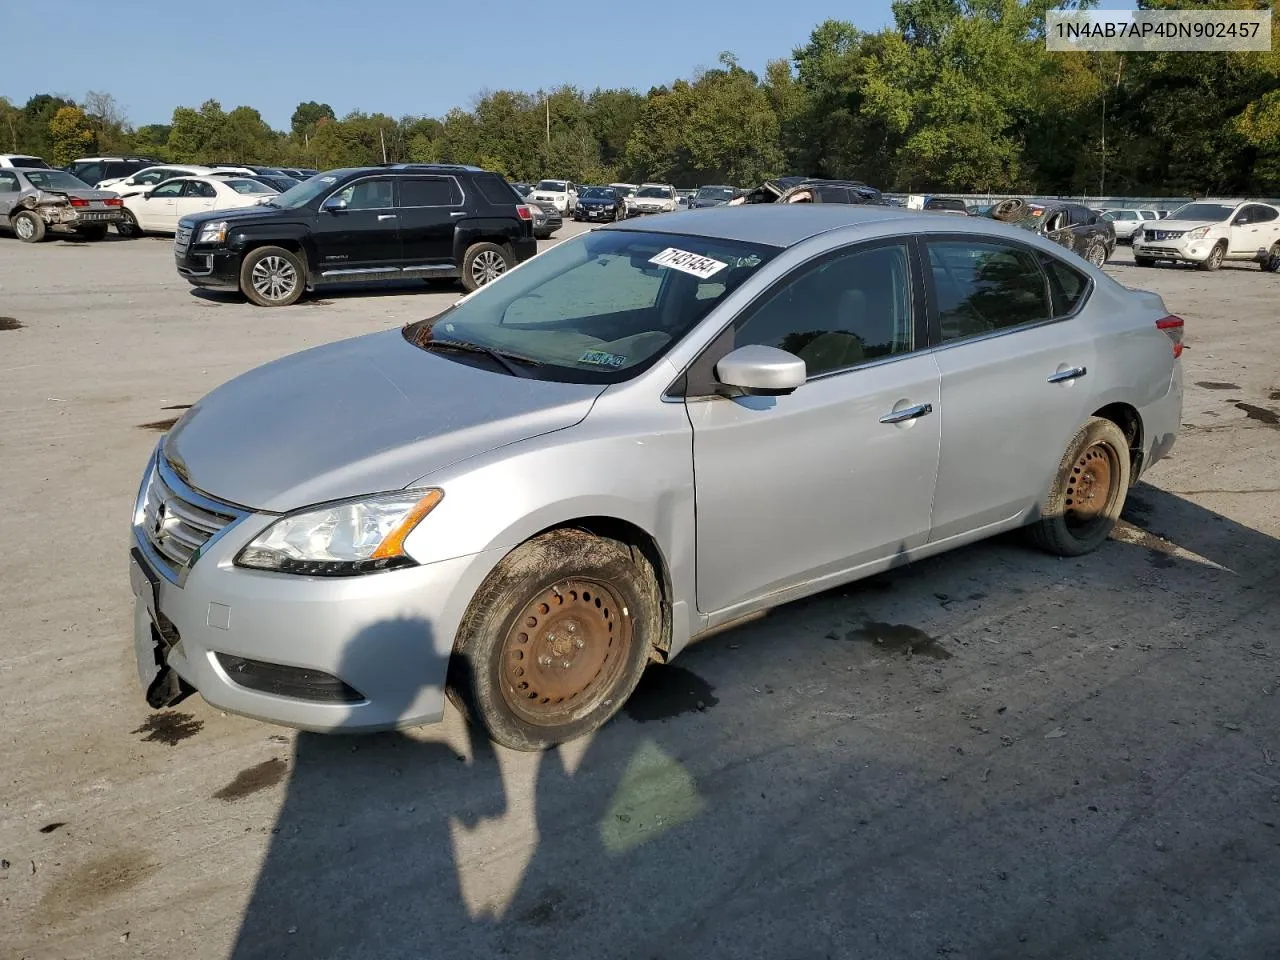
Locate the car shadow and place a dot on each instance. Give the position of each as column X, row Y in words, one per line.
column 821, row 782
column 353, row 291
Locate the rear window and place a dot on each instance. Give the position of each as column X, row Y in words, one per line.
column 496, row 190
column 29, row 162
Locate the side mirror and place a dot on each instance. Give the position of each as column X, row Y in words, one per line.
column 758, row 370
column 334, row 204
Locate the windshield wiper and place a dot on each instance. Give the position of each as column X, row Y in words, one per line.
column 502, row 359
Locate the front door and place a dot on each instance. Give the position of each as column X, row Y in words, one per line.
column 1014, row 380
column 158, row 210
column 428, row 208
column 838, row 474
column 361, row 240
column 1252, row 231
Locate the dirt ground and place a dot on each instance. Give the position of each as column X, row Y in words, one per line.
column 990, row 754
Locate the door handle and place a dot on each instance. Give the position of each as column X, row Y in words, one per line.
column 386, row 216
column 908, row 413
column 457, row 213
column 1073, row 373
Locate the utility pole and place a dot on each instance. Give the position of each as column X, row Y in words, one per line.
column 1102, row 174
column 548, row 102
column 383, row 139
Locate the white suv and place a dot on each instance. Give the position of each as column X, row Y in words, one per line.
column 654, row 198
column 1126, row 221
column 560, row 194
column 1209, row 232
column 148, row 177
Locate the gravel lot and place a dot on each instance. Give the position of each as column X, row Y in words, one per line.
column 1044, row 758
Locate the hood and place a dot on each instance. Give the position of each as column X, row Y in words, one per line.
column 254, row 212
column 597, row 201
column 360, row 416
column 1182, row 225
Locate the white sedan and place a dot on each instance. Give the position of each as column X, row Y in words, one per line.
column 1208, row 232
column 160, row 210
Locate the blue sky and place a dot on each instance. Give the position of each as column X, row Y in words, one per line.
column 399, row 56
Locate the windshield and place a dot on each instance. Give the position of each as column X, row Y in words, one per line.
column 554, row 186
column 598, row 308
column 1032, row 220
column 248, row 186
column 55, row 180
column 1214, row 212
column 655, row 192
column 308, row 190
column 598, row 193
column 715, row 193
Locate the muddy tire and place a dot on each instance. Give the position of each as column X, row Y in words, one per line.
column 1143, row 262
column 1096, row 253
column 273, row 277
column 483, row 263
column 556, row 639
column 28, row 227
column 128, row 226
column 1088, row 492
column 1214, row 260
column 93, row 234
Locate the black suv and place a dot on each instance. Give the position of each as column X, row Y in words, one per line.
column 367, row 223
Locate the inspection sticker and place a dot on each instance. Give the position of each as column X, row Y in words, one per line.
column 602, row 359
column 687, row 262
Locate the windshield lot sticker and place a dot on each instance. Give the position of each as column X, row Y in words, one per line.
column 602, row 359
column 687, row 262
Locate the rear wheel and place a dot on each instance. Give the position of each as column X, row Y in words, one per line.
column 1088, row 492
column 556, row 639
column 483, row 263
column 1096, row 253
column 1271, row 261
column 28, row 226
column 1215, row 258
column 272, row 277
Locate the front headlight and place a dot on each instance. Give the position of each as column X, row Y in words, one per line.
column 342, row 539
column 1199, row 233
column 213, row 232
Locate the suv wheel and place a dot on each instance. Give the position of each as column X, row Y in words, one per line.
column 272, row 277
column 483, row 263
column 1215, row 258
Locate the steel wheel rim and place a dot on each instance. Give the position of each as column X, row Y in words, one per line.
column 274, row 278
column 1092, row 489
column 24, row 228
column 487, row 267
column 565, row 652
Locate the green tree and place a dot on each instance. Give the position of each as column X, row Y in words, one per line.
column 307, row 116
column 71, row 134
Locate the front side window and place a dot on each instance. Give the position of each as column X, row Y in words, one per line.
column 598, row 308
column 90, row 172
column 368, row 195
column 172, row 188
column 849, row 309
column 981, row 288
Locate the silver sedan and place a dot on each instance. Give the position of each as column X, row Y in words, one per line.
column 649, row 431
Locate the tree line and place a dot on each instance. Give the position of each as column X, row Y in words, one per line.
column 958, row 95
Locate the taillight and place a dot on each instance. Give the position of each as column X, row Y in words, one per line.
column 113, row 202
column 1172, row 327
column 79, row 202
column 523, row 212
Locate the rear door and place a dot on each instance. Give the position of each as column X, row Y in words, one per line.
column 428, row 207
column 838, row 474
column 1015, row 384
column 9, row 190
column 362, row 240
column 197, row 197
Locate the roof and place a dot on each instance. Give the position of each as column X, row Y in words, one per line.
column 785, row 225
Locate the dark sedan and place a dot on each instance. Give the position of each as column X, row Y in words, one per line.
column 1073, row 226
column 600, row 203
column 716, row 195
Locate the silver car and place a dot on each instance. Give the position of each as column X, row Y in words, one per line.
column 35, row 202
column 646, row 432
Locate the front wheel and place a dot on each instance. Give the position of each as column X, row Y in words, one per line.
column 1215, row 258
column 556, row 639
column 28, row 226
column 483, row 263
column 128, row 227
column 1088, row 492
column 272, row 277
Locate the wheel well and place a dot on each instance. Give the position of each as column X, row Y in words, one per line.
column 1129, row 421
column 637, row 539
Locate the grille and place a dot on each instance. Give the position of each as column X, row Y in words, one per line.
column 1164, row 234
column 286, row 681
column 181, row 239
column 175, row 525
